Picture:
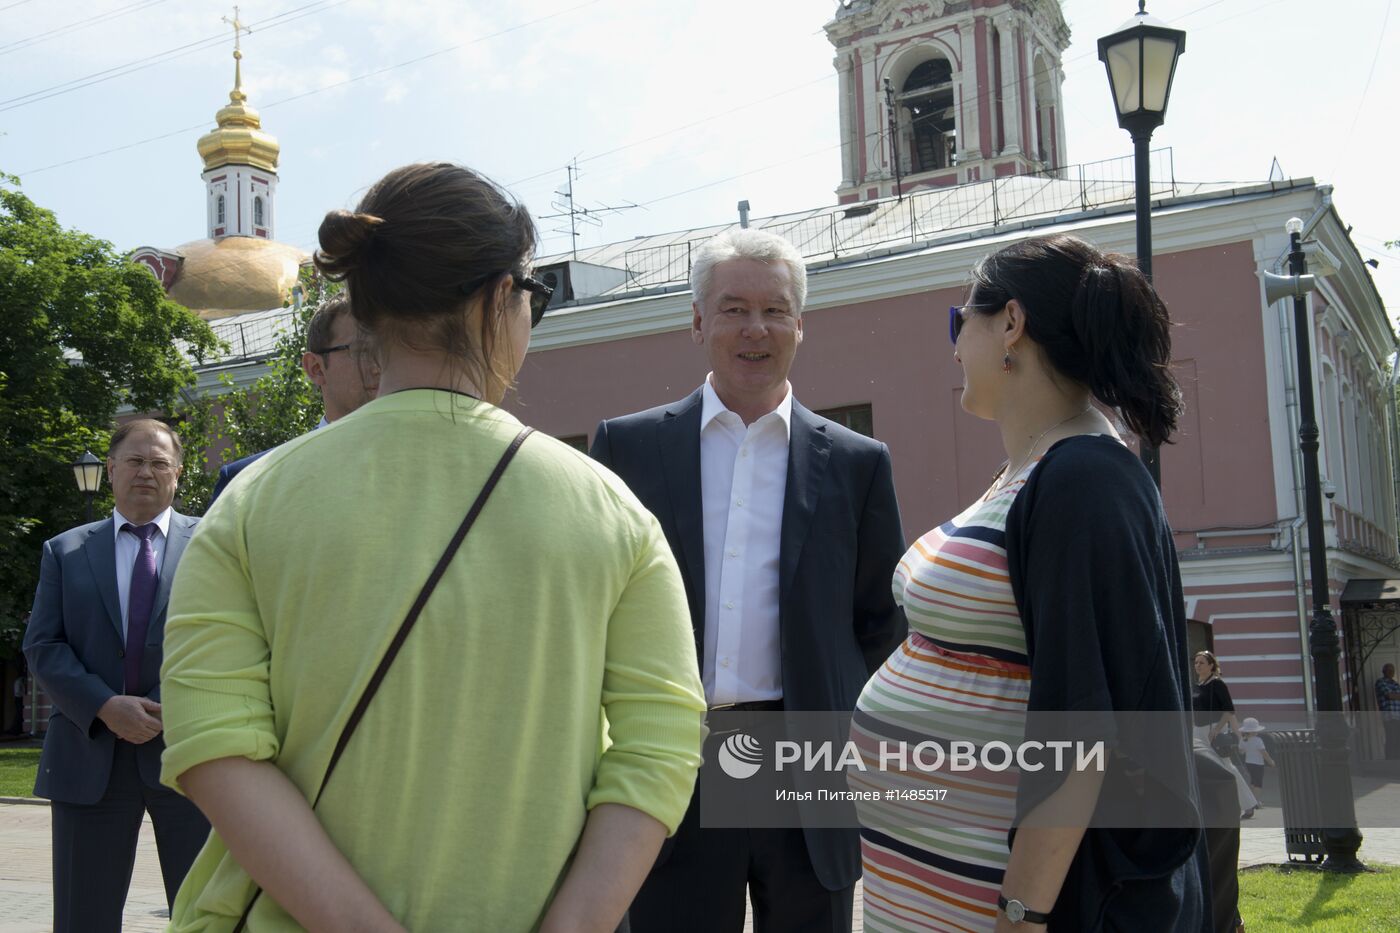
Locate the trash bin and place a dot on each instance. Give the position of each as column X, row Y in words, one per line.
column 1297, row 755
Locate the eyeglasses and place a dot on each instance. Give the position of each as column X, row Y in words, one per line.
column 540, row 293
column 159, row 467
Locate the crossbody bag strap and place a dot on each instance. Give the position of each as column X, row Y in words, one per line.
column 405, row 627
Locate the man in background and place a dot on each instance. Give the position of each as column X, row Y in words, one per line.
column 94, row 643
column 1388, row 702
column 339, row 359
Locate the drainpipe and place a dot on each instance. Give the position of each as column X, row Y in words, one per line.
column 1295, row 460
column 1394, row 439
column 1295, row 530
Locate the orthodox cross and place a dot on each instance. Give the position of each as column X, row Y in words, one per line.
column 238, row 29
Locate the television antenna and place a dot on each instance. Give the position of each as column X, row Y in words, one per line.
column 568, row 207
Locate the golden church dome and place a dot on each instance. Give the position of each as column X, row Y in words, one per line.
column 239, row 138
column 234, row 274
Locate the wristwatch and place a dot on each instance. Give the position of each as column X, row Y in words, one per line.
column 1016, row 911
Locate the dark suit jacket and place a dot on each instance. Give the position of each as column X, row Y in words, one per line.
column 229, row 470
column 74, row 645
column 840, row 542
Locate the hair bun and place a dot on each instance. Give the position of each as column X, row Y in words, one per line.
column 346, row 238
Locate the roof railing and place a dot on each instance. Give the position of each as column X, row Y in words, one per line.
column 924, row 214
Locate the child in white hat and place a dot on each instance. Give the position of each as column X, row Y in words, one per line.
column 1256, row 756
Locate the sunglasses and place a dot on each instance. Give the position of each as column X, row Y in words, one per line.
column 956, row 322
column 540, row 293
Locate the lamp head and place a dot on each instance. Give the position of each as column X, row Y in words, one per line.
column 1294, row 225
column 1141, row 61
column 88, row 473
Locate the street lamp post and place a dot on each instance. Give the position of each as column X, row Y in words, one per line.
column 1141, row 62
column 87, row 470
column 1340, row 835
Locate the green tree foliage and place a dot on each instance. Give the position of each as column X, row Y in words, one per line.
column 228, row 423
column 83, row 333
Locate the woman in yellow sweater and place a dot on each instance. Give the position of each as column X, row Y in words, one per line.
column 539, row 732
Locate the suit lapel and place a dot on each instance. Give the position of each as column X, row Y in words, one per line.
column 808, row 452
column 181, row 527
column 678, row 437
column 101, row 548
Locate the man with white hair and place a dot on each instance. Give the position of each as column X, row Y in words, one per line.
column 787, row 533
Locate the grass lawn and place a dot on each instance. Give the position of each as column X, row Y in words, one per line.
column 1283, row 898
column 17, row 769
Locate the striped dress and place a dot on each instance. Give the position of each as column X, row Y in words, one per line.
column 935, row 861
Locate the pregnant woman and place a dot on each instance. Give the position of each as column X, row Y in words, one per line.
column 1057, row 590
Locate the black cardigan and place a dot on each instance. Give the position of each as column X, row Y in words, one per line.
column 1094, row 572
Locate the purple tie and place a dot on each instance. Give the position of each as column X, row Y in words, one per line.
column 140, row 597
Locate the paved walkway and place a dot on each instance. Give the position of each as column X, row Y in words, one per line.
column 26, row 893
column 26, row 905
column 1377, row 804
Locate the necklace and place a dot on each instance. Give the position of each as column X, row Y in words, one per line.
column 1006, row 475
column 434, row 389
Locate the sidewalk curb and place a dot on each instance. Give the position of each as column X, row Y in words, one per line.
column 33, row 801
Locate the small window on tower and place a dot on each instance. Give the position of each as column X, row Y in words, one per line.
column 258, row 212
column 219, row 210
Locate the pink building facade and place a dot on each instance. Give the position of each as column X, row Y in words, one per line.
column 876, row 338
column 971, row 118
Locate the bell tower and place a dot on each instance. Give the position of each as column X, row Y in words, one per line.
column 965, row 90
column 240, row 162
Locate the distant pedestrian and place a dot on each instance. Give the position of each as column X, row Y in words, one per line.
column 19, row 706
column 1388, row 702
column 1256, row 756
column 1216, row 723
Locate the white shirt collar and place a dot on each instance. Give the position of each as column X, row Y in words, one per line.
column 162, row 521
column 712, row 407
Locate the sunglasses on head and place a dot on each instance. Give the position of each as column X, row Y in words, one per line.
column 540, row 293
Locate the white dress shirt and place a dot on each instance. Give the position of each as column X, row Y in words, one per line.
column 743, row 480
column 128, row 546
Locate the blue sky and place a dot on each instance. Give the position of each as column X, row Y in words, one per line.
column 685, row 108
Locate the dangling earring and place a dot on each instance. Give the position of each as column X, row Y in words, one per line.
column 1006, row 363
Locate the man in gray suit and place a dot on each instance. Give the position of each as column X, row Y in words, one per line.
column 94, row 642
